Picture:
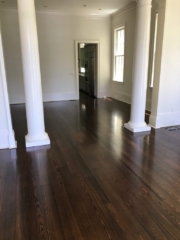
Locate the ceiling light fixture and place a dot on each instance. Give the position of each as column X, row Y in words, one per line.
column 84, row 5
column 45, row 6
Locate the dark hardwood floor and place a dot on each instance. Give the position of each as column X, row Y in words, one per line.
column 97, row 181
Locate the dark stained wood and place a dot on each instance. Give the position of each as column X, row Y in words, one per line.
column 97, row 180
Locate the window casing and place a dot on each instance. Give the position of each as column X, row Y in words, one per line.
column 119, row 46
column 151, row 82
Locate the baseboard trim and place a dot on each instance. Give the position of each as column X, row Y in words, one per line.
column 7, row 140
column 59, row 96
column 126, row 98
column 164, row 120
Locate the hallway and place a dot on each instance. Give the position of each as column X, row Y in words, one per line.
column 96, row 181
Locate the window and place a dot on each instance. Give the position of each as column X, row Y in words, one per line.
column 119, row 40
column 154, row 53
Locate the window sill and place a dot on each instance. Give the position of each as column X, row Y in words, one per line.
column 116, row 81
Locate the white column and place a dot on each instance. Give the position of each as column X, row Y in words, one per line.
column 32, row 77
column 140, row 72
column 7, row 139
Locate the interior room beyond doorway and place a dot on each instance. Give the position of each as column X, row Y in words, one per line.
column 87, row 68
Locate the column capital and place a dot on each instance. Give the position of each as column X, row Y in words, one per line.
column 142, row 3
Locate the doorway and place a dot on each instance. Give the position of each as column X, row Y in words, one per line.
column 87, row 68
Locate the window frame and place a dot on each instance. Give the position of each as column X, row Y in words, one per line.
column 154, row 49
column 115, row 31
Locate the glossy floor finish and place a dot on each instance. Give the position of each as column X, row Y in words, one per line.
column 96, row 181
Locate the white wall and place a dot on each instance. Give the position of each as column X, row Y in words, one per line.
column 122, row 91
column 166, row 92
column 12, row 55
column 57, row 34
column 127, row 17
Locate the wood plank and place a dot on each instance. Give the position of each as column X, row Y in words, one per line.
column 96, row 181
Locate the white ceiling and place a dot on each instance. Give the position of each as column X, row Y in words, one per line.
column 73, row 6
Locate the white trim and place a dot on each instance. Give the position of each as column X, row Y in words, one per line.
column 4, row 143
column 126, row 98
column 104, row 94
column 78, row 15
column 127, row 8
column 153, row 48
column 121, row 96
column 152, row 122
column 47, row 97
column 35, row 143
column 144, row 128
column 17, row 99
column 6, row 140
column 162, row 3
column 63, row 96
column 75, row 14
column 98, row 65
column 165, row 120
column 5, row 9
column 115, row 29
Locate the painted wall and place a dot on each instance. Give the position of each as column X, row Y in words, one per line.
column 57, row 34
column 127, row 17
column 166, row 92
column 122, row 91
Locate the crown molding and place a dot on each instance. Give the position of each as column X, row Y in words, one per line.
column 129, row 7
column 142, row 3
column 78, row 15
column 8, row 9
column 162, row 3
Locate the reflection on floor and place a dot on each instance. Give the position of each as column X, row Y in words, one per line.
column 96, row 181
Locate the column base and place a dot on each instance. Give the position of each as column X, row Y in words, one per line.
column 144, row 128
column 12, row 141
column 37, row 142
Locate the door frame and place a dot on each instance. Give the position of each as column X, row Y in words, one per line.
column 98, row 64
